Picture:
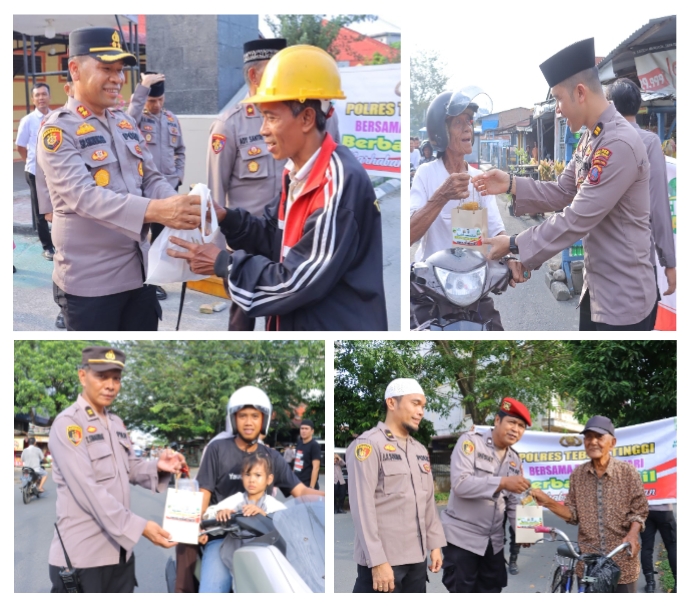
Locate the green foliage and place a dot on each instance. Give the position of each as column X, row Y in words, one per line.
column 428, row 78
column 666, row 577
column 479, row 373
column 45, row 375
column 441, row 498
column 379, row 59
column 628, row 381
column 314, row 29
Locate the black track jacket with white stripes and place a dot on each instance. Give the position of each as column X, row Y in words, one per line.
column 319, row 269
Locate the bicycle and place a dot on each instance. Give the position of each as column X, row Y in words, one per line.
column 601, row 573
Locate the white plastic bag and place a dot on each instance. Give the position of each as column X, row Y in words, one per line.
column 164, row 269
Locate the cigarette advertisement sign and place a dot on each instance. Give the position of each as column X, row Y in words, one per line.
column 369, row 119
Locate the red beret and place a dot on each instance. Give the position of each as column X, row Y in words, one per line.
column 514, row 408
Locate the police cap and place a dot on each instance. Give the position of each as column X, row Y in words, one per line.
column 514, row 408
column 569, row 61
column 103, row 358
column 101, row 43
column 157, row 89
column 262, row 49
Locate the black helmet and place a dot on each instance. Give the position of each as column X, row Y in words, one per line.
column 452, row 104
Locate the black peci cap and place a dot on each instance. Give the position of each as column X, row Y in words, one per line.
column 307, row 422
column 157, row 89
column 569, row 61
column 263, row 49
column 102, row 43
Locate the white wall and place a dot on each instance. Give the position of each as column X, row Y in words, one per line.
column 195, row 130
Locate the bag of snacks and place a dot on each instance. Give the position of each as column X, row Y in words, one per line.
column 469, row 226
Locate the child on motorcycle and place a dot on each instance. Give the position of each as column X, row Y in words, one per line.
column 217, row 560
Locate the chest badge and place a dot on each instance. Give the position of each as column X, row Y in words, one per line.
column 91, row 429
column 85, row 128
column 218, row 142
column 468, row 448
column 147, row 127
column 170, row 118
column 173, row 131
column 253, row 151
column 250, row 112
column 362, row 451
column 174, row 140
column 102, row 177
column 83, row 112
column 74, row 434
column 99, row 155
column 148, row 137
column 52, row 139
column 253, row 166
column 138, row 149
column 125, row 125
column 512, row 463
column 390, row 447
column 140, row 168
column 426, row 467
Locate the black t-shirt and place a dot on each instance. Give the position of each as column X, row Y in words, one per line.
column 304, row 455
column 220, row 471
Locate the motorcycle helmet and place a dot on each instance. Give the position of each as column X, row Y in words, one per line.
column 450, row 104
column 249, row 396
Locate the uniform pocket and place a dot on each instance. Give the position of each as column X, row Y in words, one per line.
column 396, row 481
column 254, row 162
column 102, row 461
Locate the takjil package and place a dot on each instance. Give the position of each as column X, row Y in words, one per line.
column 469, row 227
column 527, row 518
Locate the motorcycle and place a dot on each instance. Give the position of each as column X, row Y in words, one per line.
column 29, row 487
column 448, row 283
column 283, row 552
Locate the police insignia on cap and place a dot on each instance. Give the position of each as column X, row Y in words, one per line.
column 99, row 155
column 52, row 138
column 140, row 168
column 249, row 110
column 91, row 429
column 468, row 447
column 390, row 447
column 85, row 128
column 74, row 434
column 362, row 451
column 102, row 177
column 506, row 405
column 253, row 151
column 82, row 111
column 110, row 355
column 116, row 40
column 253, row 166
column 388, row 434
column 148, row 137
column 124, row 124
column 598, row 129
column 218, row 142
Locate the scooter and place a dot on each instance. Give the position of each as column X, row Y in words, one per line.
column 281, row 553
column 448, row 283
column 29, row 487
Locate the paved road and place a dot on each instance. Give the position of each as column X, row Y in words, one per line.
column 33, row 533
column 535, row 564
column 531, row 306
column 34, row 308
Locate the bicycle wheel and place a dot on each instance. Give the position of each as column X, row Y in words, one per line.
column 557, row 585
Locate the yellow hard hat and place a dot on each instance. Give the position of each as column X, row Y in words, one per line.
column 298, row 73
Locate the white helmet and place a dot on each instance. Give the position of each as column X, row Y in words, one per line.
column 249, row 396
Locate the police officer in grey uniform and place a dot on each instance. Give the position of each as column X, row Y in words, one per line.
column 391, row 494
column 626, row 97
column 93, row 466
column 241, row 172
column 163, row 135
column 105, row 189
column 606, row 186
column 486, row 477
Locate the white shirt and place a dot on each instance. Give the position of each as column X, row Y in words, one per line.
column 27, row 136
column 428, row 179
column 415, row 158
column 235, row 502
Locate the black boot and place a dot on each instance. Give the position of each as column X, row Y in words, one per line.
column 650, row 582
column 513, row 566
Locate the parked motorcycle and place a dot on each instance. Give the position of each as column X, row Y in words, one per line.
column 283, row 552
column 29, row 487
column 445, row 286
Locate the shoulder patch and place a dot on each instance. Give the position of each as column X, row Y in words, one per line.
column 362, row 451
column 52, row 138
column 74, row 434
column 468, row 447
column 594, row 174
column 218, row 142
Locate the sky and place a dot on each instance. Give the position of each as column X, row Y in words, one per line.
column 387, row 22
column 502, row 55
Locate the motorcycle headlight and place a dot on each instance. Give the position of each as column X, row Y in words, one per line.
column 462, row 288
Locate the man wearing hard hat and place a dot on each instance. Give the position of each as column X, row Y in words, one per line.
column 314, row 260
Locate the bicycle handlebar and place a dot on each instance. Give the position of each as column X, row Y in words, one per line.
column 577, row 556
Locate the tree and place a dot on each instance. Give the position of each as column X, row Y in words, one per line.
column 179, row 390
column 379, row 59
column 45, row 375
column 428, row 78
column 316, row 30
column 630, row 382
column 474, row 374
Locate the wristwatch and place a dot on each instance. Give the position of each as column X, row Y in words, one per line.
column 513, row 249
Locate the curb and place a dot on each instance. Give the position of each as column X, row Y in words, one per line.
column 387, row 187
column 24, row 229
